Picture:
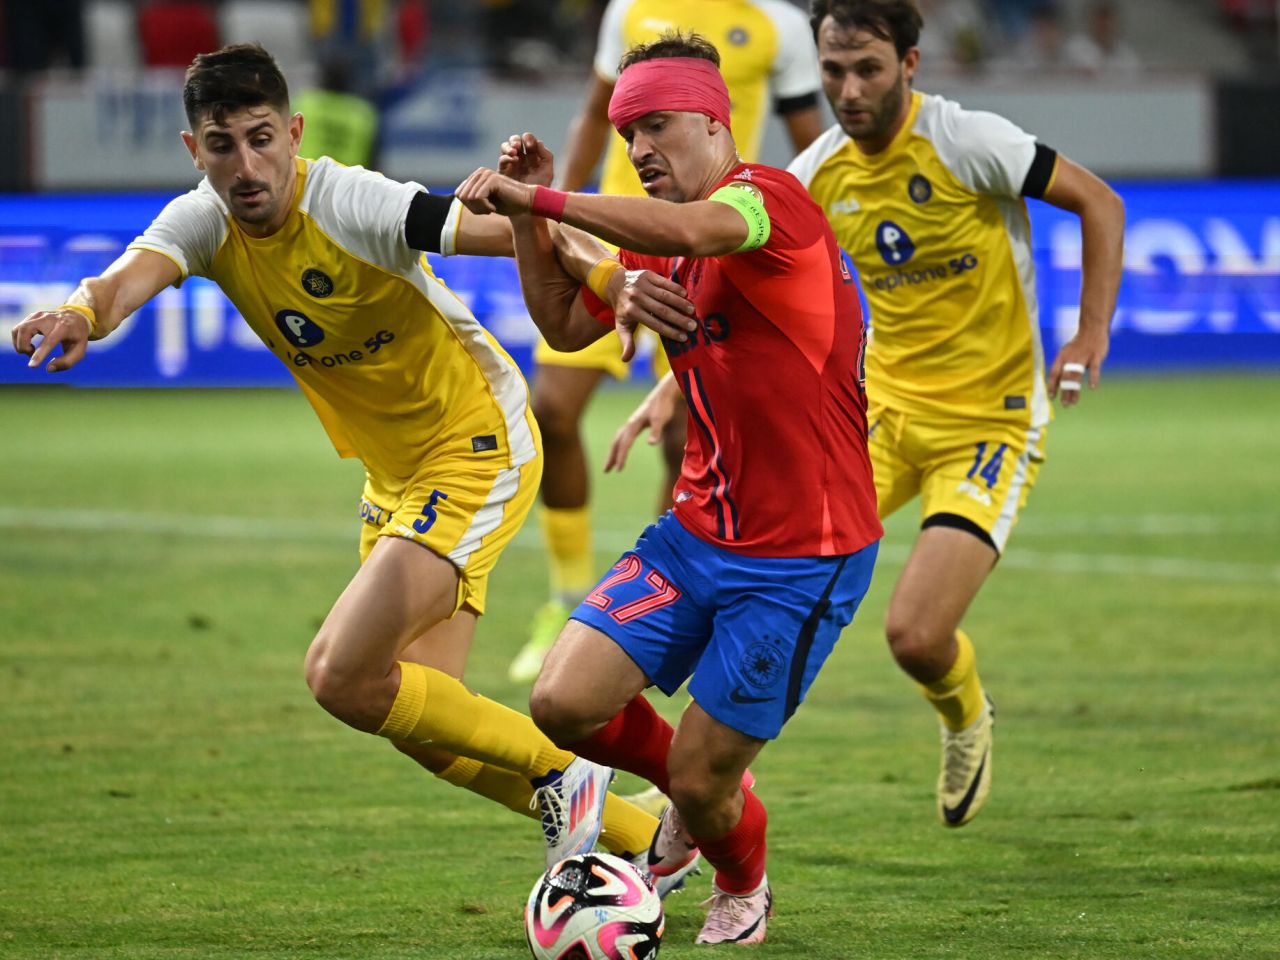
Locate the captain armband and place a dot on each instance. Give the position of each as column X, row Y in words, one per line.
column 749, row 202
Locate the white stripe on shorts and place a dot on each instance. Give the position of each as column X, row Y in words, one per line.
column 1009, row 509
column 488, row 518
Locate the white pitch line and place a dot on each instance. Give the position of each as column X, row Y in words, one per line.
column 1148, row 525
column 221, row 527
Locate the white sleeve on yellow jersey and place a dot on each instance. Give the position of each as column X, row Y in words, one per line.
column 188, row 231
column 611, row 44
column 985, row 152
column 363, row 211
column 811, row 158
column 795, row 69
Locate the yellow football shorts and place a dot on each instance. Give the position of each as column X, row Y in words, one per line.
column 605, row 354
column 976, row 469
column 463, row 509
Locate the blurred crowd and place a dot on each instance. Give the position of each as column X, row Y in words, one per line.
column 377, row 44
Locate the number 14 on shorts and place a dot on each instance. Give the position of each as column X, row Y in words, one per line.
column 990, row 471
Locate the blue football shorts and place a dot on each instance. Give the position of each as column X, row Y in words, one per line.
column 752, row 632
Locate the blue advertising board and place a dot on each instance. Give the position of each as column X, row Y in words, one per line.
column 1201, row 287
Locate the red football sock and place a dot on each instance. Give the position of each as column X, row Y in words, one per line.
column 636, row 740
column 738, row 856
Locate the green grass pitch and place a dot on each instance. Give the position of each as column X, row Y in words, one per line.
column 169, row 790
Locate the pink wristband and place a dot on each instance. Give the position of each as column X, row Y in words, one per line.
column 548, row 203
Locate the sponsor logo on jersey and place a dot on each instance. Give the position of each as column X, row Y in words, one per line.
column 317, row 283
column 848, row 205
column 926, row 273
column 743, row 175
column 895, row 244
column 712, row 328
column 919, row 189
column 373, row 514
column 738, row 37
column 298, row 328
column 340, row 358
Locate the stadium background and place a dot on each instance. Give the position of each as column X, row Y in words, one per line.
column 169, row 789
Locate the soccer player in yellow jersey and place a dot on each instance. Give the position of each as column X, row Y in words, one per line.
column 928, row 200
column 765, row 50
column 324, row 262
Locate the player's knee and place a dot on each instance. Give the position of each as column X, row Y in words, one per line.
column 695, row 792
column 357, row 700
column 915, row 646
column 554, row 716
column 557, row 418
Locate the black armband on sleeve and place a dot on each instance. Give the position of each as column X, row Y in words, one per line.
column 787, row 105
column 425, row 221
column 1040, row 176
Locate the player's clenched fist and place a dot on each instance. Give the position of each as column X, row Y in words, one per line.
column 70, row 328
column 487, row 191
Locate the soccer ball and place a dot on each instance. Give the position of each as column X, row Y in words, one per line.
column 593, row 907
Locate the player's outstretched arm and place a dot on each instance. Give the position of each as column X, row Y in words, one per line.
column 1101, row 213
column 97, row 307
column 655, row 412
column 702, row 228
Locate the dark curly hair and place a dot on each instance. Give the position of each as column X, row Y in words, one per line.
column 897, row 21
column 237, row 76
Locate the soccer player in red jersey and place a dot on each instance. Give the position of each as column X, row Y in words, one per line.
column 745, row 585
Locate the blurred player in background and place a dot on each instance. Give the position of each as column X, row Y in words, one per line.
column 340, row 124
column 746, row 583
column 766, row 51
column 324, row 262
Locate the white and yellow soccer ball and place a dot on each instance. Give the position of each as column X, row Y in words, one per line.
column 593, row 907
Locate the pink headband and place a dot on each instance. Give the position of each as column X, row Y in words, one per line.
column 686, row 84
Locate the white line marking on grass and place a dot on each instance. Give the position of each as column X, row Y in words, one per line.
column 218, row 527
column 1147, row 525
column 206, row 526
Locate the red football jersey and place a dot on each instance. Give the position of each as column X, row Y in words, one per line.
column 776, row 459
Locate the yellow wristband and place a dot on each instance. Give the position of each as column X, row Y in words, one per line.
column 85, row 311
column 600, row 275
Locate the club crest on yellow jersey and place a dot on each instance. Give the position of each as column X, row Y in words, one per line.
column 317, row 283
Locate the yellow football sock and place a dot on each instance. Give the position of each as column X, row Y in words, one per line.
column 627, row 828
column 568, row 537
column 432, row 707
column 958, row 696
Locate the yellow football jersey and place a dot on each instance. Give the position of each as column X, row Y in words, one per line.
column 765, row 45
column 395, row 365
column 938, row 230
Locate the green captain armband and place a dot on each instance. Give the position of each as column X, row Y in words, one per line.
column 749, row 202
